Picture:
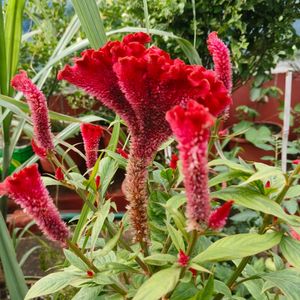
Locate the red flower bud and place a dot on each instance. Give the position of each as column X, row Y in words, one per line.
column 218, row 217
column 183, row 259
column 122, row 153
column 268, row 184
column 193, row 271
column 296, row 161
column 59, row 175
column 173, row 162
column 90, row 273
column 97, row 181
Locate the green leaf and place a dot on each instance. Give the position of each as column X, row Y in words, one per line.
column 88, row 293
column 294, row 191
column 176, row 237
column 265, row 173
column 13, row 34
column 207, row 292
column 254, row 200
column 153, row 289
column 226, row 176
column 290, row 249
column 49, row 284
column 238, row 246
column 14, row 277
column 107, row 169
column 230, row 165
column 3, row 69
column 288, row 281
column 159, row 259
column 91, row 22
column 221, row 287
column 74, row 260
column 114, row 139
column 101, row 215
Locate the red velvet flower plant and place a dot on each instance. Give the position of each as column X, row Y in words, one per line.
column 141, row 84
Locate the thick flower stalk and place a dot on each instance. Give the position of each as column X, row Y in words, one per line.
column 91, row 135
column 219, row 216
column 221, row 59
column 39, row 111
column 190, row 126
column 141, row 84
column 27, row 190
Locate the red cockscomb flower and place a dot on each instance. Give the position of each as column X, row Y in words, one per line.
column 39, row 111
column 191, row 128
column 173, row 161
column 26, row 189
column 141, row 84
column 221, row 58
column 91, row 135
column 218, row 217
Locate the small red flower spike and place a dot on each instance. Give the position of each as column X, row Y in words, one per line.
column 38, row 108
column 268, row 184
column 296, row 161
column 59, row 175
column 221, row 58
column 91, row 135
column 39, row 151
column 90, row 273
column 193, row 271
column 123, row 153
column 295, row 235
column 191, row 126
column 97, row 181
column 26, row 188
column 173, row 162
column 183, row 259
column 218, row 217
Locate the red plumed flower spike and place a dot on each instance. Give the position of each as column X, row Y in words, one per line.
column 221, row 58
column 183, row 259
column 190, row 126
column 59, row 175
column 39, row 110
column 218, row 218
column 26, row 189
column 39, row 151
column 91, row 135
column 173, row 162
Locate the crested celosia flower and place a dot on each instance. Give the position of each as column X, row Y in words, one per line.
column 218, row 217
column 91, row 135
column 39, row 111
column 190, row 126
column 183, row 259
column 27, row 190
column 221, row 59
column 39, row 151
column 173, row 161
column 141, row 84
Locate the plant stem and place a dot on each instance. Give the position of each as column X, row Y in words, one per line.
column 267, row 221
column 167, row 245
column 78, row 252
column 214, row 135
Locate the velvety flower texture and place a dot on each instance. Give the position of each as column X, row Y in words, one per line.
column 39, row 111
column 141, row 84
column 190, row 126
column 39, row 151
column 218, row 217
column 221, row 59
column 91, row 135
column 26, row 189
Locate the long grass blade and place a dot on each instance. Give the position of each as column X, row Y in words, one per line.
column 91, row 22
column 3, row 64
